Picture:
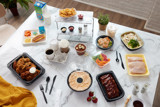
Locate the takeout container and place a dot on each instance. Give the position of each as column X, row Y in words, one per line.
column 103, row 36
column 103, row 88
column 80, row 52
column 77, row 71
column 127, row 46
column 144, row 59
column 38, row 66
column 95, row 55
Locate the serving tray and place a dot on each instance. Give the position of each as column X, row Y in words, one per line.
column 38, row 66
column 144, row 59
column 103, row 88
column 32, row 36
column 127, row 46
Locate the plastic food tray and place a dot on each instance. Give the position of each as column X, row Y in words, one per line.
column 78, row 71
column 32, row 36
column 137, row 55
column 38, row 66
column 103, row 88
column 127, row 46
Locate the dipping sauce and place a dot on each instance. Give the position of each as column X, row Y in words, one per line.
column 137, row 103
column 49, row 51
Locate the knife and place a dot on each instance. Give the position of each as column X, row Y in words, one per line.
column 52, row 84
column 121, row 61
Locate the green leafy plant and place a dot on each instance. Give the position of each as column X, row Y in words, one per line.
column 13, row 3
column 24, row 3
column 103, row 19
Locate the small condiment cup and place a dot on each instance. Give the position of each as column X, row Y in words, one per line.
column 32, row 70
column 50, row 54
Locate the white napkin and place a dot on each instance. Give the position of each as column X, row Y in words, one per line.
column 54, row 100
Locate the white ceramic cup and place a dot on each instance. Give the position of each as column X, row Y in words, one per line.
column 50, row 54
column 54, row 44
column 47, row 18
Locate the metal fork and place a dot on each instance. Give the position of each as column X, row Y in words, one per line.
column 42, row 89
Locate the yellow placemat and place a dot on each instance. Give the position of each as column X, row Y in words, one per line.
column 11, row 96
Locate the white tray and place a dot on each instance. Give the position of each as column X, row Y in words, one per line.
column 32, row 36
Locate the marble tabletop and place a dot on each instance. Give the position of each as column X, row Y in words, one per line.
column 69, row 98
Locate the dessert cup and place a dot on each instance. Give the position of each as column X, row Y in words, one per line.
column 79, row 50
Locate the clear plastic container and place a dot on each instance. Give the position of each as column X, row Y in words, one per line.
column 101, row 59
column 80, row 51
column 111, row 30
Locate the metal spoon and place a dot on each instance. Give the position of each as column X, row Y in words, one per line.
column 47, row 80
column 117, row 57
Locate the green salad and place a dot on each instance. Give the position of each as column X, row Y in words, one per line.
column 133, row 43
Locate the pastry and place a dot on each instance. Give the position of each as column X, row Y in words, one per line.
column 38, row 38
column 79, row 80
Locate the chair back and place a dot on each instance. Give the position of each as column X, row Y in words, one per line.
column 2, row 10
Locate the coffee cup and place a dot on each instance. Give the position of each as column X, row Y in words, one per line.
column 54, row 44
column 50, row 54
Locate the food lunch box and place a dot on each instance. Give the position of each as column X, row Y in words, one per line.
column 38, row 66
column 126, row 45
column 103, row 88
column 77, row 71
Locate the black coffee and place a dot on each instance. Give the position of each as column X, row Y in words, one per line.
column 49, row 51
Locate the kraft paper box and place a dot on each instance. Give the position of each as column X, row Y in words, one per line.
column 40, row 8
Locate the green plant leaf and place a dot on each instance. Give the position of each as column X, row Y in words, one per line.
column 103, row 19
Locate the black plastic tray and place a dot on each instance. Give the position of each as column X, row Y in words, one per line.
column 103, row 36
column 38, row 66
column 127, row 46
column 103, row 88
column 76, row 71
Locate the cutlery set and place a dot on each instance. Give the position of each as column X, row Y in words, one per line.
column 42, row 89
column 120, row 59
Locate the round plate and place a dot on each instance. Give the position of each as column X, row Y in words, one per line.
column 103, row 36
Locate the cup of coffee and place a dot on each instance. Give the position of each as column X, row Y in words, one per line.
column 50, row 54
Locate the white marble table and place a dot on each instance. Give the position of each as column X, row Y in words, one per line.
column 14, row 47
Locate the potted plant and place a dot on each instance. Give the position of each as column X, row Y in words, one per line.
column 12, row 5
column 103, row 21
